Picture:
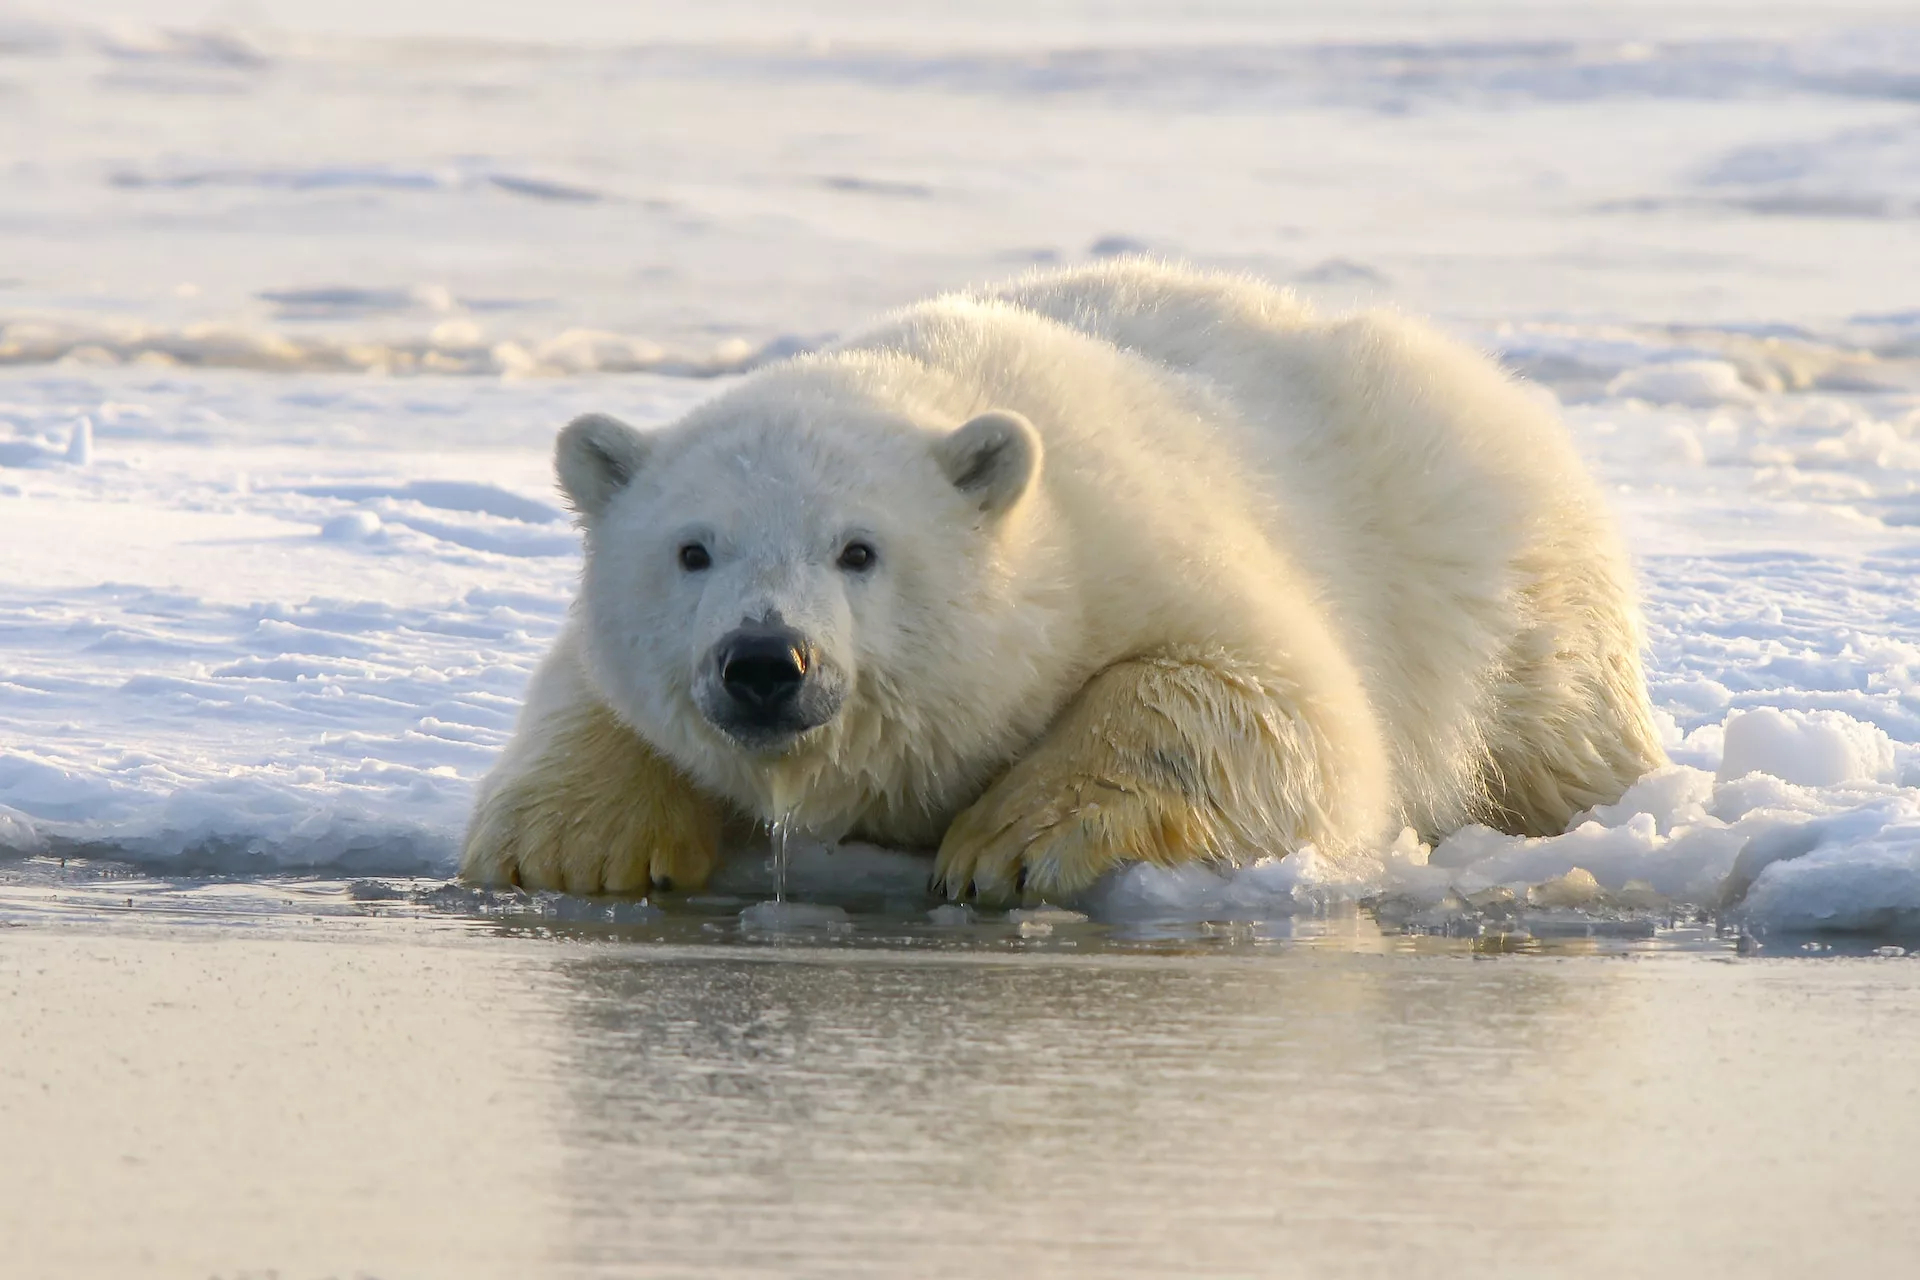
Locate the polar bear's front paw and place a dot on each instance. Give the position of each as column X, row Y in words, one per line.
column 595, row 810
column 542, row 844
column 1027, row 840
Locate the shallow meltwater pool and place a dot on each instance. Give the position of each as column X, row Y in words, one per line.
column 311, row 1078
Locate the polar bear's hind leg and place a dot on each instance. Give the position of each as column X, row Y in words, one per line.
column 1572, row 726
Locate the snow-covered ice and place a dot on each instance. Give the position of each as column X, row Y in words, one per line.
column 288, row 318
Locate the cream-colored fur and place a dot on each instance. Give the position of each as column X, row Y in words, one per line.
column 584, row 805
column 1250, row 579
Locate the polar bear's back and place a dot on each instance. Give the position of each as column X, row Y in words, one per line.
column 1356, row 406
column 1441, row 510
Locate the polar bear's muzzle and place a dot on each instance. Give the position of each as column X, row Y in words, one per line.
column 767, row 685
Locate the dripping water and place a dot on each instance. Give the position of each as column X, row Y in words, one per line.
column 780, row 834
column 785, row 795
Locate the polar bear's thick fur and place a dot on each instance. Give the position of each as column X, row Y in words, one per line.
column 1109, row 564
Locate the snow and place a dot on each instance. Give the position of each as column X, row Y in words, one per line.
column 1812, row 748
column 1700, row 384
column 291, row 311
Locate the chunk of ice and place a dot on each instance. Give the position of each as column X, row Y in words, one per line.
column 80, row 443
column 1701, row 384
column 787, row 917
column 1811, row 748
column 352, row 526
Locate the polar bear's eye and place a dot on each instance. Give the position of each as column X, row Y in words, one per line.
column 694, row 558
column 858, row 556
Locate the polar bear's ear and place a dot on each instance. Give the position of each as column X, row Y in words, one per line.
column 594, row 457
column 993, row 458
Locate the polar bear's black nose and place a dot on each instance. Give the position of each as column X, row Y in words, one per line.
column 764, row 670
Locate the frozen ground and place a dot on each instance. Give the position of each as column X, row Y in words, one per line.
column 290, row 314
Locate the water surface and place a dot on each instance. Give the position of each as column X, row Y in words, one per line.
column 288, row 1077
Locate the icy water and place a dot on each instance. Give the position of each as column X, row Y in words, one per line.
column 305, row 1079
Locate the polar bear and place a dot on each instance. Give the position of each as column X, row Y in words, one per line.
column 1120, row 563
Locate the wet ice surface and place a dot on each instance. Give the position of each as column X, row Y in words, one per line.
column 393, row 1077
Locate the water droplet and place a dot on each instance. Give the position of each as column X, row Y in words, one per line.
column 780, row 834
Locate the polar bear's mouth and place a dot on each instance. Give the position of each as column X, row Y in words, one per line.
column 766, row 685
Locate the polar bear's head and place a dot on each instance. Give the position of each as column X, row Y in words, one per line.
column 798, row 592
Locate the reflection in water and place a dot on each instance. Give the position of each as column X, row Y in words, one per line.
column 321, row 1082
column 1122, row 1116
